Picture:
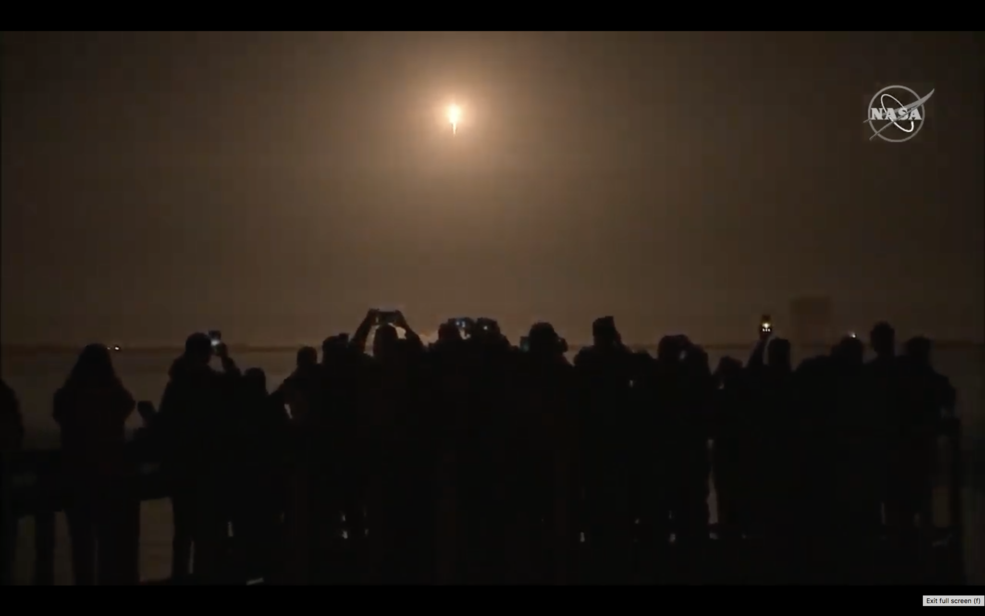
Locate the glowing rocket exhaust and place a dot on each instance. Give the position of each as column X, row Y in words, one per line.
column 454, row 113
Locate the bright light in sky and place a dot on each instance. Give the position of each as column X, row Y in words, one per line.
column 454, row 114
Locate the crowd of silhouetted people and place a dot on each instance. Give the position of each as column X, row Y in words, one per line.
column 471, row 460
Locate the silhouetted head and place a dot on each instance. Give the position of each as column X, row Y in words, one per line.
column 918, row 350
column 669, row 349
column 778, row 352
column 696, row 360
column 604, row 332
column 486, row 329
column 544, row 340
column 385, row 342
column 255, row 380
column 198, row 349
column 334, row 346
column 683, row 344
column 882, row 338
column 849, row 351
column 728, row 371
column 449, row 333
column 307, row 358
column 93, row 365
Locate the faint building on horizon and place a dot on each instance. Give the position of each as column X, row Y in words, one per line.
column 811, row 320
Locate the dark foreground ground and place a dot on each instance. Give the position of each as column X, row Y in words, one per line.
column 747, row 562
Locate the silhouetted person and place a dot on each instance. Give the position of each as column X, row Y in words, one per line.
column 731, row 456
column 774, row 459
column 193, row 414
column 260, row 433
column 91, row 409
column 604, row 371
column 334, row 456
column 11, row 438
column 661, row 406
column 301, row 395
column 926, row 395
column 300, row 391
column 481, row 417
column 689, row 486
column 785, row 425
column 819, row 425
column 391, row 432
column 335, row 350
column 853, row 471
column 343, row 473
column 540, row 441
column 883, row 393
column 450, row 404
column 11, row 421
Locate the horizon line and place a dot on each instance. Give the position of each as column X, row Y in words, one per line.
column 280, row 348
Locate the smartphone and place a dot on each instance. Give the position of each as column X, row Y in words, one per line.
column 486, row 324
column 525, row 344
column 766, row 325
column 386, row 317
column 216, row 337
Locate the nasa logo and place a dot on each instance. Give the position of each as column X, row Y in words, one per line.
column 904, row 117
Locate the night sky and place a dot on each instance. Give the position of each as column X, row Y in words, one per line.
column 275, row 186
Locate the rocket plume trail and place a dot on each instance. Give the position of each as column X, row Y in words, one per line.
column 453, row 114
